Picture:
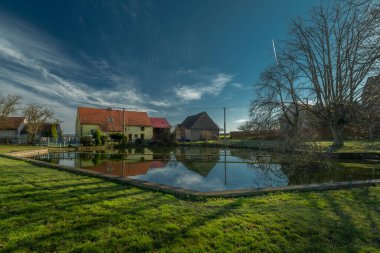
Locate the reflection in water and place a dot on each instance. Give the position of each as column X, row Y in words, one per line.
column 210, row 169
column 201, row 161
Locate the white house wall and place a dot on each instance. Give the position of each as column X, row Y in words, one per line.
column 8, row 133
column 21, row 126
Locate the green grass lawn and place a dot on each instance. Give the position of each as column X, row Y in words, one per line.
column 46, row 210
column 353, row 146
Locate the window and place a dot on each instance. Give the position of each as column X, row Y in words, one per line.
column 142, row 128
column 110, row 119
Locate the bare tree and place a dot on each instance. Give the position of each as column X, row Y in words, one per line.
column 246, row 126
column 335, row 50
column 278, row 98
column 36, row 115
column 8, row 106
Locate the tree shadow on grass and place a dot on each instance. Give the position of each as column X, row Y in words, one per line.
column 49, row 200
column 37, row 181
column 38, row 189
column 370, row 206
column 90, row 223
column 67, row 199
column 335, row 226
column 200, row 220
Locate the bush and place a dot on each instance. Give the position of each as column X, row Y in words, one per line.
column 98, row 137
column 53, row 132
column 103, row 139
column 86, row 141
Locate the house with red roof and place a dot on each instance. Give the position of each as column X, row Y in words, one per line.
column 135, row 125
column 12, row 130
column 161, row 128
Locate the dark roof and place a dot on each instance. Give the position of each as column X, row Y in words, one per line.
column 199, row 121
column 373, row 79
column 371, row 87
column 201, row 168
column 11, row 123
column 47, row 126
column 159, row 123
column 112, row 120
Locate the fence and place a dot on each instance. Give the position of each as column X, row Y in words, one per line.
column 53, row 142
column 42, row 141
column 13, row 140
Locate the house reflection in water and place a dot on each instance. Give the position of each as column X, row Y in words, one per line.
column 132, row 163
column 123, row 168
column 139, row 154
column 201, row 161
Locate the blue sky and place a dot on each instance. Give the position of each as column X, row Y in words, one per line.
column 170, row 58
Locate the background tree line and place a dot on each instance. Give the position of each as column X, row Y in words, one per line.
column 36, row 115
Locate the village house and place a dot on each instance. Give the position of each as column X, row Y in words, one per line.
column 137, row 125
column 370, row 119
column 307, row 124
column 197, row 127
column 12, row 130
column 161, row 128
column 371, row 104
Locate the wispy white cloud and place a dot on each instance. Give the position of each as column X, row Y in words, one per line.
column 28, row 60
column 237, row 85
column 241, row 87
column 241, row 120
column 37, row 67
column 163, row 103
column 210, row 85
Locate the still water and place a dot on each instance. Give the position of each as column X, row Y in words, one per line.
column 215, row 169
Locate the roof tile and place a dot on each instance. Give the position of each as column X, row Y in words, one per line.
column 11, row 123
column 112, row 120
column 159, row 122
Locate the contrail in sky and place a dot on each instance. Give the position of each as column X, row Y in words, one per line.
column 274, row 51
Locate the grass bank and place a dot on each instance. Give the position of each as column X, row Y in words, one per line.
column 14, row 148
column 358, row 146
column 45, row 210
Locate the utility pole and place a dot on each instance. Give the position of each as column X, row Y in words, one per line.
column 224, row 109
column 225, row 151
column 225, row 166
column 123, row 124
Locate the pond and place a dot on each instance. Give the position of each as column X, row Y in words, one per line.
column 216, row 169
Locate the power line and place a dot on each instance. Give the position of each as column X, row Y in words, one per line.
column 213, row 107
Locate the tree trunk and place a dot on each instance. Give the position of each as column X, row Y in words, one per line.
column 370, row 131
column 337, row 133
column 293, row 132
column 31, row 138
column 291, row 138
